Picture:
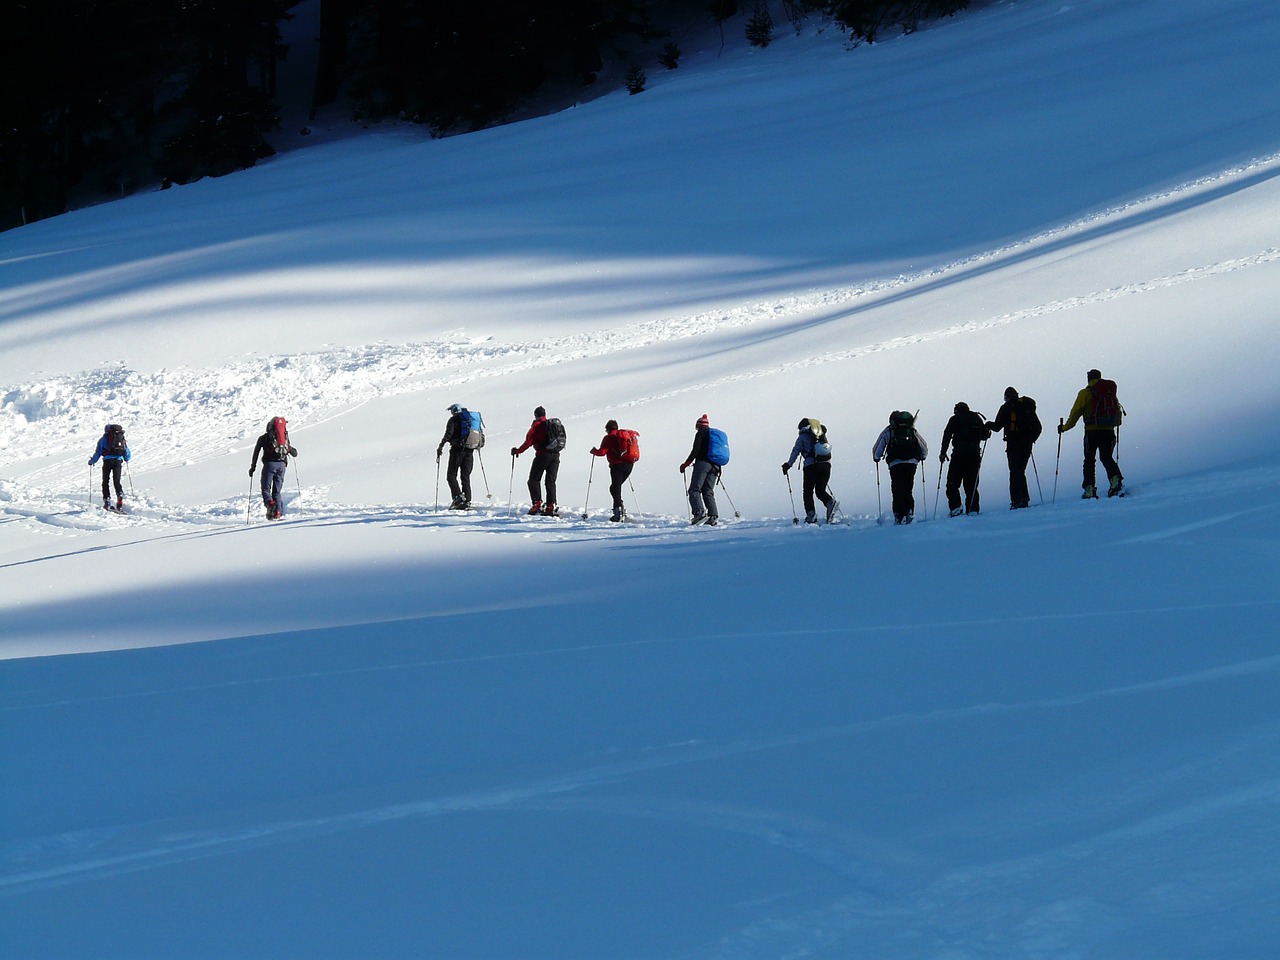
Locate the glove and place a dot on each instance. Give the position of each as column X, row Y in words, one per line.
column 1059, row 428
column 990, row 427
column 786, row 467
column 251, row 471
column 683, row 466
column 595, row 452
column 942, row 458
column 91, row 463
column 515, row 451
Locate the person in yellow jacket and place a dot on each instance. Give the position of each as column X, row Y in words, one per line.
column 1097, row 405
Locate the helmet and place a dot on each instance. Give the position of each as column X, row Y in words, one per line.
column 455, row 407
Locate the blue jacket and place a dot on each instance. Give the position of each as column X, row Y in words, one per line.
column 806, row 447
column 101, row 452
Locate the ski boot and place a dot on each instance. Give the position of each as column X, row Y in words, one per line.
column 1117, row 486
column 271, row 509
column 535, row 509
column 697, row 519
column 712, row 521
column 811, row 518
column 832, row 507
column 550, row 510
column 957, row 511
column 617, row 515
column 1090, row 493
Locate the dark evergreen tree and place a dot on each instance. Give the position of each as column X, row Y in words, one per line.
column 759, row 29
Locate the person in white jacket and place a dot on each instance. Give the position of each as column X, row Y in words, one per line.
column 901, row 446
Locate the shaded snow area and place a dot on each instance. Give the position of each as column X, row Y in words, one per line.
column 379, row 728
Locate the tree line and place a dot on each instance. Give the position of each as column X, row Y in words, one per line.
column 104, row 97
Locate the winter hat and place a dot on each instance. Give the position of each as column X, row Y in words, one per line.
column 1094, row 374
column 1010, row 393
column 703, row 421
column 454, row 407
column 803, row 425
column 961, row 407
column 611, row 425
column 539, row 411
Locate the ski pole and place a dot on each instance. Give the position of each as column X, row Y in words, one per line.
column 633, row 497
column 91, row 484
column 1057, row 463
column 484, row 476
column 248, row 507
column 512, row 486
column 937, row 492
column 879, row 502
column 587, row 498
column 720, row 480
column 297, row 480
column 795, row 518
column 129, row 474
column 924, row 489
column 1037, row 473
column 436, row 508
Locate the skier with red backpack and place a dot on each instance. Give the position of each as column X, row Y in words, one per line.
column 114, row 452
column 621, row 449
column 275, row 448
column 1102, row 413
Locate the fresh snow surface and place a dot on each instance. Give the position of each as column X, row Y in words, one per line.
column 378, row 729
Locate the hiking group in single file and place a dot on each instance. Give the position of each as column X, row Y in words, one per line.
column 899, row 445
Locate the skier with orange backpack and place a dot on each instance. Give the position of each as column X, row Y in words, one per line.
column 621, row 448
column 1102, row 413
column 276, row 450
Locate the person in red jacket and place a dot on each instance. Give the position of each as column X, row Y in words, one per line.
column 546, row 463
column 613, row 449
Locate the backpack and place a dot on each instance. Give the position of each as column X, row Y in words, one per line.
column 821, row 445
column 278, row 436
column 1106, row 411
column 470, row 429
column 556, row 437
column 1024, row 424
column 717, row 447
column 902, row 437
column 115, row 446
column 972, row 428
column 628, row 445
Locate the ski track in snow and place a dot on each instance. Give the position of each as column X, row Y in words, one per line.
column 177, row 416
column 74, row 857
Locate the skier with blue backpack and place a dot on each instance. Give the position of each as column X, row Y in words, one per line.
column 710, row 452
column 464, row 434
column 814, row 450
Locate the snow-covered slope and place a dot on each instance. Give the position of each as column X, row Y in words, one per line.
column 1045, row 733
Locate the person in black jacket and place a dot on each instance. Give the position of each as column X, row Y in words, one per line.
column 1017, row 418
column 702, row 482
column 461, row 459
column 966, row 433
column 275, row 459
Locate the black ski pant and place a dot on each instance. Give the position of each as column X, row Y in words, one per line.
column 1101, row 443
column 962, row 471
column 1019, row 456
column 111, row 474
column 618, row 474
column 461, row 463
column 702, row 489
column 546, row 465
column 902, row 481
column 816, row 477
column 272, row 481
